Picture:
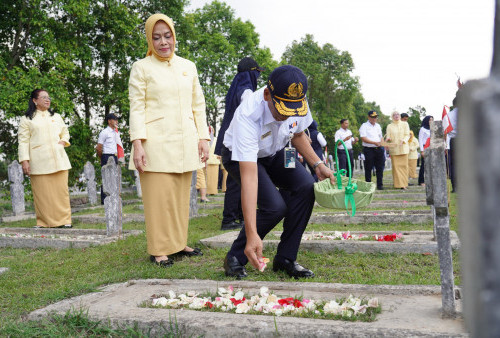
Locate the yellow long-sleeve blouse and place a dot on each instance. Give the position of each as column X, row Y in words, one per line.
column 398, row 131
column 39, row 143
column 212, row 158
column 413, row 145
column 167, row 112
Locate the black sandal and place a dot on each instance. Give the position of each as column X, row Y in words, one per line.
column 195, row 252
column 164, row 263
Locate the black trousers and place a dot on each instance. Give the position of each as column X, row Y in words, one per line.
column 374, row 157
column 232, row 202
column 421, row 171
column 342, row 156
column 293, row 201
column 104, row 161
column 451, row 162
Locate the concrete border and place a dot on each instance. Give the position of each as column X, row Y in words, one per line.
column 413, row 242
column 70, row 238
column 406, row 310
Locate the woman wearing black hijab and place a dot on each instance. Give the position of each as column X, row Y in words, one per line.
column 423, row 136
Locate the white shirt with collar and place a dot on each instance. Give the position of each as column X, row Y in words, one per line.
column 341, row 134
column 373, row 132
column 453, row 116
column 254, row 133
column 108, row 138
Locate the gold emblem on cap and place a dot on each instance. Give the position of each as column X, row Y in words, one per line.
column 271, row 85
column 285, row 111
column 295, row 90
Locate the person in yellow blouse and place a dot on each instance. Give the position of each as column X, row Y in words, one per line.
column 169, row 135
column 412, row 156
column 398, row 134
column 42, row 136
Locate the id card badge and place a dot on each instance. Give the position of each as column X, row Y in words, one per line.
column 290, row 157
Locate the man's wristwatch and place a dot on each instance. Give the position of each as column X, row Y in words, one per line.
column 317, row 164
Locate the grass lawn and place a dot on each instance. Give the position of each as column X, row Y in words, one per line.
column 38, row 277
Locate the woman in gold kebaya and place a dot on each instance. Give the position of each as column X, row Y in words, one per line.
column 398, row 133
column 169, row 134
column 42, row 137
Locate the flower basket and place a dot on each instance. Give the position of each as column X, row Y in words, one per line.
column 347, row 191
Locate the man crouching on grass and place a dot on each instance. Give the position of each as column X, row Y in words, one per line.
column 259, row 152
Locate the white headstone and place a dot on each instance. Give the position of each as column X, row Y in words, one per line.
column 15, row 173
column 89, row 173
column 111, row 180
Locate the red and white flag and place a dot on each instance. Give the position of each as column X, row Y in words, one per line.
column 447, row 127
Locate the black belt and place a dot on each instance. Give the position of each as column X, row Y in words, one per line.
column 371, row 147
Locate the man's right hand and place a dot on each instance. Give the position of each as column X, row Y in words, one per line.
column 253, row 250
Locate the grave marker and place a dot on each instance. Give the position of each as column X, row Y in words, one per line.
column 89, row 172
column 16, row 177
column 193, row 199
column 111, row 180
column 437, row 195
column 479, row 203
column 138, row 188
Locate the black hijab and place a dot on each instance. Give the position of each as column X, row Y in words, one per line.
column 241, row 82
column 426, row 122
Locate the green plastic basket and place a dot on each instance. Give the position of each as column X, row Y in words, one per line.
column 347, row 191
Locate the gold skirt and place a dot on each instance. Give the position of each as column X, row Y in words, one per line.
column 201, row 182
column 166, row 211
column 412, row 168
column 400, row 170
column 51, row 199
column 212, row 179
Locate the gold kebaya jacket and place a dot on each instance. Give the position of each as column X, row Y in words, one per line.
column 167, row 112
column 414, row 148
column 399, row 131
column 212, row 158
column 39, row 143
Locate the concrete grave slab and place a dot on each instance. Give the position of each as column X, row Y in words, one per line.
column 57, row 238
column 401, row 195
column 379, row 216
column 412, row 242
column 406, row 310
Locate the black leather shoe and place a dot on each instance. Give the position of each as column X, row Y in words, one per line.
column 292, row 268
column 164, row 263
column 231, row 226
column 380, row 188
column 195, row 252
column 233, row 267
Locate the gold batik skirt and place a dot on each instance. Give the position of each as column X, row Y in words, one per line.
column 212, row 179
column 400, row 170
column 166, row 211
column 51, row 199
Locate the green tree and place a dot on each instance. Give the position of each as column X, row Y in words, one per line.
column 215, row 40
column 331, row 86
column 415, row 120
column 81, row 52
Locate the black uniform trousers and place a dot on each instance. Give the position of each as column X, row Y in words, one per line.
column 421, row 171
column 232, row 202
column 104, row 161
column 374, row 157
column 293, row 201
column 452, row 160
column 342, row 157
